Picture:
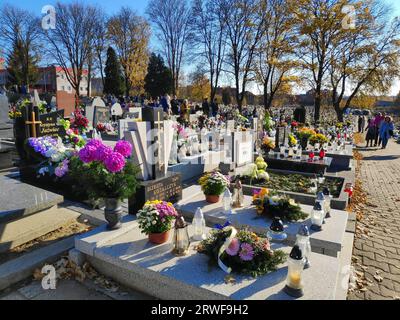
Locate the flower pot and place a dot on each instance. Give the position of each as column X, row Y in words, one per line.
column 212, row 198
column 159, row 238
column 113, row 213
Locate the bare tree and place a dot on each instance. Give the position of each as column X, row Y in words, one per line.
column 19, row 28
column 209, row 35
column 100, row 42
column 171, row 19
column 130, row 34
column 245, row 26
column 72, row 40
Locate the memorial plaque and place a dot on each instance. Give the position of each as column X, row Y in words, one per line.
column 101, row 115
column 50, row 124
column 167, row 189
column 281, row 136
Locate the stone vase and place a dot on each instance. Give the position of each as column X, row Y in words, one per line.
column 113, row 213
column 159, row 238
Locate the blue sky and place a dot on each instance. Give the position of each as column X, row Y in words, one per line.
column 113, row 6
column 110, row 6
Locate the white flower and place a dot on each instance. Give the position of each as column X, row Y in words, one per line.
column 154, row 222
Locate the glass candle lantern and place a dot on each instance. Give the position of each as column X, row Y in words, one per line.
column 227, row 201
column 303, row 241
column 276, row 231
column 286, row 154
column 328, row 201
column 317, row 217
column 311, row 155
column 282, row 150
column 181, row 237
column 321, row 179
column 294, row 282
column 238, row 196
column 199, row 225
column 299, row 153
column 314, row 185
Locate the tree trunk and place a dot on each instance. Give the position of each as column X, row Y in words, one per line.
column 317, row 104
column 339, row 112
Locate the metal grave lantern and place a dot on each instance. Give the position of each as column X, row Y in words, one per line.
column 181, row 237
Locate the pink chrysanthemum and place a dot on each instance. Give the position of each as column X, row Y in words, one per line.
column 247, row 252
column 115, row 162
column 124, row 148
column 233, row 248
column 88, row 154
column 103, row 152
column 95, row 143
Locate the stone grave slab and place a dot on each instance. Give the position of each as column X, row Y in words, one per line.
column 131, row 260
column 194, row 166
column 316, row 166
column 328, row 241
column 22, row 199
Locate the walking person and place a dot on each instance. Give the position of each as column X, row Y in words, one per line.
column 206, row 107
column 361, row 124
column 371, row 133
column 386, row 131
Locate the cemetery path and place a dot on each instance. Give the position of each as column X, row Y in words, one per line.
column 376, row 255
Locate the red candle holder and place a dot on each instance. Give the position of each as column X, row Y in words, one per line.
column 322, row 154
column 311, row 155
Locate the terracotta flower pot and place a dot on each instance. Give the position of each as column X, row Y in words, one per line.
column 159, row 238
column 212, row 198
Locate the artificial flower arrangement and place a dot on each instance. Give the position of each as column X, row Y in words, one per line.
column 79, row 123
column 272, row 205
column 241, row 251
column 75, row 139
column 105, row 127
column 155, row 220
column 294, row 124
column 213, row 184
column 318, row 138
column 256, row 171
column 52, row 154
column 105, row 171
column 267, row 144
column 268, row 122
column 292, row 140
column 305, row 133
column 14, row 113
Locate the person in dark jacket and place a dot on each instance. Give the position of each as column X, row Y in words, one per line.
column 206, row 107
column 215, row 108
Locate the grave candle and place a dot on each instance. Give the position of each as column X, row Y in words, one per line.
column 294, row 282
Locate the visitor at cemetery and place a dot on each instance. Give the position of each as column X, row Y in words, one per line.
column 361, row 124
column 379, row 118
column 175, row 106
column 386, row 131
column 206, row 107
column 215, row 108
column 371, row 133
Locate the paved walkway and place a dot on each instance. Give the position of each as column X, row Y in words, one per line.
column 376, row 255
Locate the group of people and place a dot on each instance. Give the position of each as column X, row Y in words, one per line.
column 379, row 130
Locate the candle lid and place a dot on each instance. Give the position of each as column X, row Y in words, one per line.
column 277, row 225
column 180, row 223
column 303, row 231
column 326, row 191
column 318, row 206
column 296, row 253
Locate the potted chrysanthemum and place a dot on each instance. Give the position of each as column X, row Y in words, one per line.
column 106, row 174
column 155, row 220
column 213, row 184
